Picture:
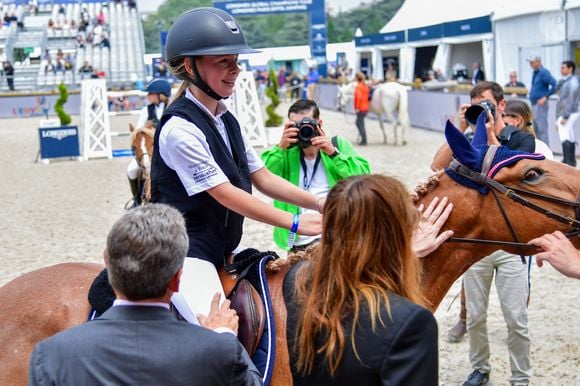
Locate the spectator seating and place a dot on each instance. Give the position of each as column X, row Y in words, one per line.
column 122, row 63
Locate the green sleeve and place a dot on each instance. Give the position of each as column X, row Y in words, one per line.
column 274, row 159
column 348, row 163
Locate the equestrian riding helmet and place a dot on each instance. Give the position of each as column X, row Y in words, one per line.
column 159, row 86
column 205, row 31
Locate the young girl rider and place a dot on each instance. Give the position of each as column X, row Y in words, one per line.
column 158, row 94
column 202, row 162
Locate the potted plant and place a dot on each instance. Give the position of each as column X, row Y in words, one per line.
column 59, row 105
column 274, row 120
column 63, row 140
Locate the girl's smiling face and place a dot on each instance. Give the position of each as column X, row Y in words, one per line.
column 219, row 72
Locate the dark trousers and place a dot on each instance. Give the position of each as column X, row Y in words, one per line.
column 360, row 125
column 569, row 152
column 10, row 81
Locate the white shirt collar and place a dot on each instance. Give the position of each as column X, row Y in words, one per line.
column 122, row 302
column 221, row 110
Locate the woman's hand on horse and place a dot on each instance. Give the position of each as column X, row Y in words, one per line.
column 310, row 224
column 426, row 237
column 220, row 316
column 289, row 135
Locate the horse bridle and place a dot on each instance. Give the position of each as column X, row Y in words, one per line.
column 516, row 195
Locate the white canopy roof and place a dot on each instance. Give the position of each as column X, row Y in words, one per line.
column 413, row 14
column 508, row 9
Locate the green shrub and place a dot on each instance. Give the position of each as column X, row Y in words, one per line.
column 59, row 105
column 272, row 92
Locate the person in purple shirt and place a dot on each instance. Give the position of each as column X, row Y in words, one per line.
column 543, row 85
column 282, row 83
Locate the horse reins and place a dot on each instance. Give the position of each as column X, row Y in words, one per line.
column 516, row 195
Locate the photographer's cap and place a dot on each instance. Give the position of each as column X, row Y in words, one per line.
column 534, row 58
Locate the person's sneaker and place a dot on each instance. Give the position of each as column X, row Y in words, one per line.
column 457, row 332
column 476, row 378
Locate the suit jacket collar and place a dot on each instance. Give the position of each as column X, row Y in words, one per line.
column 137, row 313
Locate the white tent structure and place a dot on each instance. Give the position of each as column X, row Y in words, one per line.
column 497, row 33
column 541, row 27
column 454, row 32
column 293, row 53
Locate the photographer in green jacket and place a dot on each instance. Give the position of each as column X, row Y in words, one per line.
column 309, row 159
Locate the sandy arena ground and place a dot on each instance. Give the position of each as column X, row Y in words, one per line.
column 63, row 211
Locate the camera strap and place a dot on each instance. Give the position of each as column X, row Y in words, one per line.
column 305, row 181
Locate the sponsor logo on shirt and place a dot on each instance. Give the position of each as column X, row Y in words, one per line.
column 203, row 172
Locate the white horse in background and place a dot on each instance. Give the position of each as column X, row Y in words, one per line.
column 389, row 98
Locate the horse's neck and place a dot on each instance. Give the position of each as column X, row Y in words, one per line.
column 444, row 266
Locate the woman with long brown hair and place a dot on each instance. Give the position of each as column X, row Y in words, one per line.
column 354, row 309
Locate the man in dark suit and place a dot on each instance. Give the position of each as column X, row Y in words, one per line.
column 138, row 341
column 478, row 74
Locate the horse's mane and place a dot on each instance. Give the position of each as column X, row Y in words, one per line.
column 150, row 131
column 425, row 187
column 278, row 265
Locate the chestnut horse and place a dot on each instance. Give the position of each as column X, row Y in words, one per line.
column 44, row 302
column 142, row 145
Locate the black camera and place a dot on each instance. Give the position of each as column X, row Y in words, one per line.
column 473, row 111
column 307, row 129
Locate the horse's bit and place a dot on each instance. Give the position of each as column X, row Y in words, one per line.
column 516, row 195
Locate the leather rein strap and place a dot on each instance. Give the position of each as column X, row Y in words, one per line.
column 516, row 195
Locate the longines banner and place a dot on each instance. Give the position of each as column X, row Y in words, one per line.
column 62, row 141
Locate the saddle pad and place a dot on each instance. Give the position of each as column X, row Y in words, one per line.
column 101, row 295
column 263, row 358
column 503, row 157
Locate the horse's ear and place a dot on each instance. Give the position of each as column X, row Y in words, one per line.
column 480, row 136
column 460, row 146
column 131, row 127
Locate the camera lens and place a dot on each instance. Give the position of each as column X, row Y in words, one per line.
column 307, row 129
column 473, row 112
column 306, row 132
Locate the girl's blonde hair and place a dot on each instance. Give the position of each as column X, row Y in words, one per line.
column 177, row 68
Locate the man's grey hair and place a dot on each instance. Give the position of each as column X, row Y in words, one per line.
column 146, row 247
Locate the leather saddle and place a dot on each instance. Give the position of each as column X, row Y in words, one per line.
column 246, row 301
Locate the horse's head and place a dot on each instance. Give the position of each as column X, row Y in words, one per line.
column 142, row 145
column 499, row 195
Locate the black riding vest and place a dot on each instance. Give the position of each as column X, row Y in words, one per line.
column 213, row 230
column 151, row 114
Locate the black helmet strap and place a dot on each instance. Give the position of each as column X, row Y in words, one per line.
column 200, row 83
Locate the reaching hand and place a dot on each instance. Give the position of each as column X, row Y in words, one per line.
column 425, row 237
column 220, row 316
column 310, row 224
column 559, row 252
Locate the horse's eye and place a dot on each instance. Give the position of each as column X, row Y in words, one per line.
column 533, row 175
